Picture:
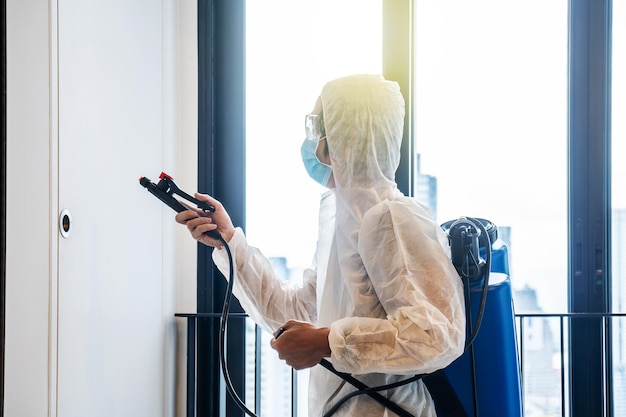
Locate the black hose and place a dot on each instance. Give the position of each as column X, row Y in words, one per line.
column 373, row 392
column 222, row 339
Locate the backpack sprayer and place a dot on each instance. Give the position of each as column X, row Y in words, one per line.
column 465, row 235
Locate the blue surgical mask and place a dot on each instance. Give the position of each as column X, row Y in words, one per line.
column 317, row 170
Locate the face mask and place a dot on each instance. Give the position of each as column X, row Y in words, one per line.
column 317, row 170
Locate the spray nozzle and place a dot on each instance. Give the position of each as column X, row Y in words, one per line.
column 165, row 190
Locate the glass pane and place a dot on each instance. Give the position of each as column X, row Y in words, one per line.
column 293, row 48
column 618, row 179
column 491, row 142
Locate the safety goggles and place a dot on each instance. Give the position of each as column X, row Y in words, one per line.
column 314, row 127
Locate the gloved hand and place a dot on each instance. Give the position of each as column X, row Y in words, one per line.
column 301, row 344
column 198, row 222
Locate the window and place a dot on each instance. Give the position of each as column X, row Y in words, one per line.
column 515, row 92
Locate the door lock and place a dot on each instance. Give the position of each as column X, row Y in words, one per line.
column 65, row 223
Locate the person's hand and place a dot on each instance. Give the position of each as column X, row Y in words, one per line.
column 198, row 222
column 300, row 344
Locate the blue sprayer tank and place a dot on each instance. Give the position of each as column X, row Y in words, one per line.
column 494, row 353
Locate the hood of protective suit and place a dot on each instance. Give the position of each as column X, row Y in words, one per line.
column 364, row 119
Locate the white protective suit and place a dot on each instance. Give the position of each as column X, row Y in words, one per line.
column 382, row 280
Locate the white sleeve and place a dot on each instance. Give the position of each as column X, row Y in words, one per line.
column 406, row 257
column 267, row 299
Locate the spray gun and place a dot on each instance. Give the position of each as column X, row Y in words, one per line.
column 165, row 190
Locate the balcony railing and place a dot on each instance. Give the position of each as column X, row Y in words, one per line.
column 543, row 347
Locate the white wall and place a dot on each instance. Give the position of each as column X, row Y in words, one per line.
column 52, row 164
column 28, row 197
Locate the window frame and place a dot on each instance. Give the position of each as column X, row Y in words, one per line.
column 221, row 173
column 589, row 199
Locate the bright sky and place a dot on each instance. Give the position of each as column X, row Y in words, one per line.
column 288, row 62
column 491, row 124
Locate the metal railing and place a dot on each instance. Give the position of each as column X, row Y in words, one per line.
column 192, row 321
column 543, row 348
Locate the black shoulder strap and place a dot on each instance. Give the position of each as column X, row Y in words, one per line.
column 447, row 403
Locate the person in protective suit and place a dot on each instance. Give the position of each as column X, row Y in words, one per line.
column 382, row 301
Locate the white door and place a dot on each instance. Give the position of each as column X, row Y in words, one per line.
column 113, row 296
